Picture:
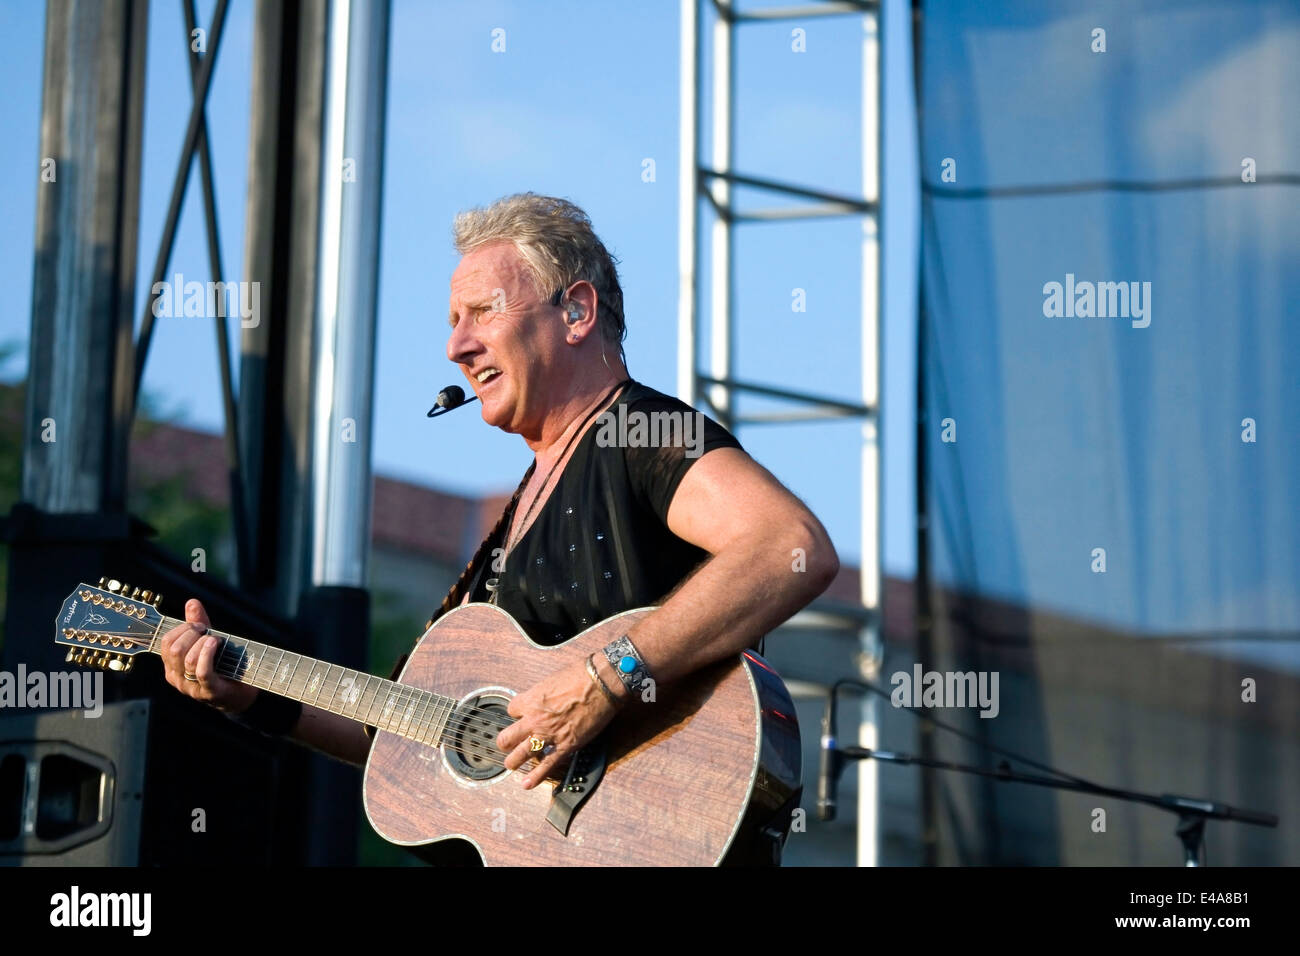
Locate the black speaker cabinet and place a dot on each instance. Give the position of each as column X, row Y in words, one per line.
column 141, row 784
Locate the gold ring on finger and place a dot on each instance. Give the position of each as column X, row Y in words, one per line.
column 535, row 743
column 191, row 677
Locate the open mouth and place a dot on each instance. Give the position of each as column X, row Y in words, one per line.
column 487, row 376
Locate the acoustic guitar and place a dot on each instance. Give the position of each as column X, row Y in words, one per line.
column 703, row 771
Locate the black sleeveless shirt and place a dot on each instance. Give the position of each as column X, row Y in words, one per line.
column 600, row 542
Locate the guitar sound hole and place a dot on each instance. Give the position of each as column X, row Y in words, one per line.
column 471, row 746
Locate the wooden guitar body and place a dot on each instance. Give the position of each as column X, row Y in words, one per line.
column 709, row 772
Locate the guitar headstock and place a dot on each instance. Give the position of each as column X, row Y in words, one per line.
column 106, row 625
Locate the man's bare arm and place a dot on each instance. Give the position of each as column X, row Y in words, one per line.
column 755, row 529
column 332, row 734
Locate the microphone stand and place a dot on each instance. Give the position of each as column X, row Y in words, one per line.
column 1192, row 812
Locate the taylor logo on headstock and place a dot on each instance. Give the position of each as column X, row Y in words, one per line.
column 117, row 623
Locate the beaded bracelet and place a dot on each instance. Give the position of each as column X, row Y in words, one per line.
column 270, row 714
column 627, row 663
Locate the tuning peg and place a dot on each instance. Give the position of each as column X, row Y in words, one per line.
column 103, row 581
column 135, row 593
column 115, row 585
column 71, row 655
column 157, row 600
column 146, row 596
column 126, row 668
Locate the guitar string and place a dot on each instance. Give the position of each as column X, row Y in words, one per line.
column 418, row 727
column 407, row 691
column 404, row 690
column 228, row 641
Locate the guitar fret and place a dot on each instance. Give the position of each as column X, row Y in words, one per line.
column 354, row 693
column 402, row 709
column 335, row 702
column 259, row 663
column 283, row 673
column 385, row 715
column 404, row 724
column 441, row 716
column 293, row 674
column 373, row 693
column 374, row 697
column 418, row 701
column 256, row 663
column 316, row 702
column 221, row 653
column 313, row 680
column 422, row 717
column 361, row 698
column 270, row 680
column 431, row 731
column 341, row 689
column 404, row 719
column 399, row 711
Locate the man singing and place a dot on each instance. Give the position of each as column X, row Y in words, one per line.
column 600, row 523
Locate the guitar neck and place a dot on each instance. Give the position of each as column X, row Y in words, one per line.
column 417, row 714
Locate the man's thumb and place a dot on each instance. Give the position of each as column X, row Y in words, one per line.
column 195, row 614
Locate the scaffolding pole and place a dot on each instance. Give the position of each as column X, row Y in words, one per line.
column 716, row 385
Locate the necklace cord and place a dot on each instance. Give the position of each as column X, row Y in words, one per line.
column 513, row 539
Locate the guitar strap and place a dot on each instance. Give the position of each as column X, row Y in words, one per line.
column 465, row 583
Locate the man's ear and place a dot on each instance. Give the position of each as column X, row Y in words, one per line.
column 580, row 308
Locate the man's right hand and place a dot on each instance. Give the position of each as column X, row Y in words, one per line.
column 189, row 649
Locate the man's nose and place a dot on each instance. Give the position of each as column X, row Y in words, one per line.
column 460, row 344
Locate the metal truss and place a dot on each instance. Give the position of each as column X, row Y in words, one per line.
column 705, row 376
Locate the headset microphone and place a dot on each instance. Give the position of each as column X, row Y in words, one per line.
column 453, row 396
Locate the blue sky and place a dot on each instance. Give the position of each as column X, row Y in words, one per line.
column 582, row 95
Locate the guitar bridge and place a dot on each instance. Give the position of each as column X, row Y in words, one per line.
column 585, row 772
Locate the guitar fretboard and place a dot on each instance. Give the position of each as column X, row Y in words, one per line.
column 408, row 711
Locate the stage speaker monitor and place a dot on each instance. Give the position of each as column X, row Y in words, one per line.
column 72, row 787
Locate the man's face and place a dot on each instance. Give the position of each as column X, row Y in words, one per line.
column 506, row 337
